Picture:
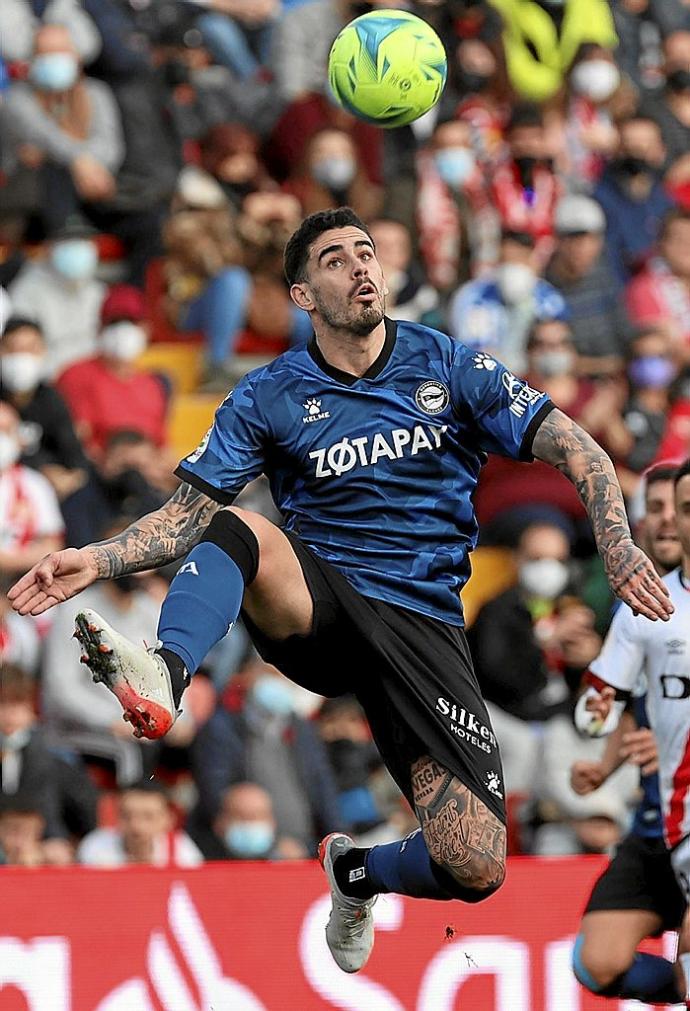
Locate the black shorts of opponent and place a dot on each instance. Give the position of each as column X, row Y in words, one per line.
column 412, row 675
column 640, row 876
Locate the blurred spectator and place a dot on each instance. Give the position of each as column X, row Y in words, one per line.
column 494, row 313
column 238, row 32
column 62, row 136
column 409, row 295
column 446, row 205
column 580, row 271
column 541, row 40
column 301, row 42
column 79, row 714
column 245, row 828
column 524, row 189
column 485, row 107
column 671, row 108
column 19, row 638
column 651, row 371
column 49, row 442
column 530, row 645
column 230, row 153
column 145, row 834
column 21, row 832
column 659, row 295
column 675, row 442
column 5, row 309
column 60, row 292
column 331, row 175
column 30, row 520
column 107, row 393
column 632, row 195
column 58, row 788
column 20, row 20
column 255, row 735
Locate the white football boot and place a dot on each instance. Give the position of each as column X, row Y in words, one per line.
column 139, row 678
column 350, row 927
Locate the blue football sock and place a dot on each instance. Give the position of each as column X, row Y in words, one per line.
column 203, row 601
column 406, row 868
column 650, row 978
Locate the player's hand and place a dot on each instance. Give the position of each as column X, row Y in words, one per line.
column 634, row 579
column 599, row 705
column 55, row 578
column 585, row 777
column 639, row 748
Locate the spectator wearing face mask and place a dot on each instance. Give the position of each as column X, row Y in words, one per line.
column 485, row 105
column 61, row 293
column 50, row 442
column 582, row 274
column 409, row 295
column 588, row 136
column 107, row 393
column 494, row 313
column 633, row 197
column 331, row 175
column 62, row 136
column 530, row 645
column 230, row 153
column 660, row 294
column 524, row 189
column 145, row 834
column 671, row 110
column 30, row 520
column 255, row 735
column 651, row 371
column 245, row 828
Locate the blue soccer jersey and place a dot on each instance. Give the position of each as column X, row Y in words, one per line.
column 375, row 474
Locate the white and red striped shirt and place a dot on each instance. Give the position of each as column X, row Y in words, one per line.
column 659, row 650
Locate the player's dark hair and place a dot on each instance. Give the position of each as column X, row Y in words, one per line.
column 660, row 472
column 681, row 472
column 297, row 248
column 18, row 323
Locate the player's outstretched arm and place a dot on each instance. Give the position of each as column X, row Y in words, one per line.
column 631, row 575
column 156, row 539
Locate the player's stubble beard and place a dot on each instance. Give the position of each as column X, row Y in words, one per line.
column 359, row 321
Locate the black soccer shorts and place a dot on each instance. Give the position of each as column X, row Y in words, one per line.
column 640, row 876
column 412, row 675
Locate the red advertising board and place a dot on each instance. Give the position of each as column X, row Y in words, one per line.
column 250, row 937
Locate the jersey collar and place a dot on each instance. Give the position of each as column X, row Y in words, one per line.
column 374, row 370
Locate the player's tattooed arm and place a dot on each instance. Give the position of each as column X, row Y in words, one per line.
column 157, row 538
column 564, row 444
column 462, row 835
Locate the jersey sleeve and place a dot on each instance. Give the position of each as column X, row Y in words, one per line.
column 622, row 657
column 504, row 410
column 232, row 452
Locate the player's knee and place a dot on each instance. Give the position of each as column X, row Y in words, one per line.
column 483, row 881
column 598, row 968
column 230, row 530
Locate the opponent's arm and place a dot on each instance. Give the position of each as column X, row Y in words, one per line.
column 154, row 540
column 631, row 575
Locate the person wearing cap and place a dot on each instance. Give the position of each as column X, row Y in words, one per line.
column 581, row 273
column 494, row 313
column 107, row 393
column 61, row 293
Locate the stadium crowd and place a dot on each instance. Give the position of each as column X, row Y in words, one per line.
column 154, row 157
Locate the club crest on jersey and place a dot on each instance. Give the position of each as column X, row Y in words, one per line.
column 314, row 413
column 432, row 397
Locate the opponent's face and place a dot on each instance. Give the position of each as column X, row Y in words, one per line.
column 344, row 286
column 660, row 532
column 683, row 515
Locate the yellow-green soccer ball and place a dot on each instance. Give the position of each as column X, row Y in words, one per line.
column 387, row 67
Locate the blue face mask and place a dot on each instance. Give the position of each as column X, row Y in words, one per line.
column 250, row 838
column 273, row 695
column 455, row 165
column 74, row 259
column 652, row 372
column 54, row 71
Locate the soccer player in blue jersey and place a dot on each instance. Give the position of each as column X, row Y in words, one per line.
column 372, row 438
column 637, row 896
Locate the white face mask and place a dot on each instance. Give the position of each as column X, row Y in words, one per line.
column 335, row 172
column 544, row 577
column 595, row 79
column 124, row 341
column 553, row 363
column 10, row 451
column 515, row 281
column 21, row 371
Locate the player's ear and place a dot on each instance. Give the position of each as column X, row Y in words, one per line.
column 301, row 296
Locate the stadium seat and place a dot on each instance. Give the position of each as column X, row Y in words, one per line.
column 191, row 415
column 493, row 571
column 180, row 363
